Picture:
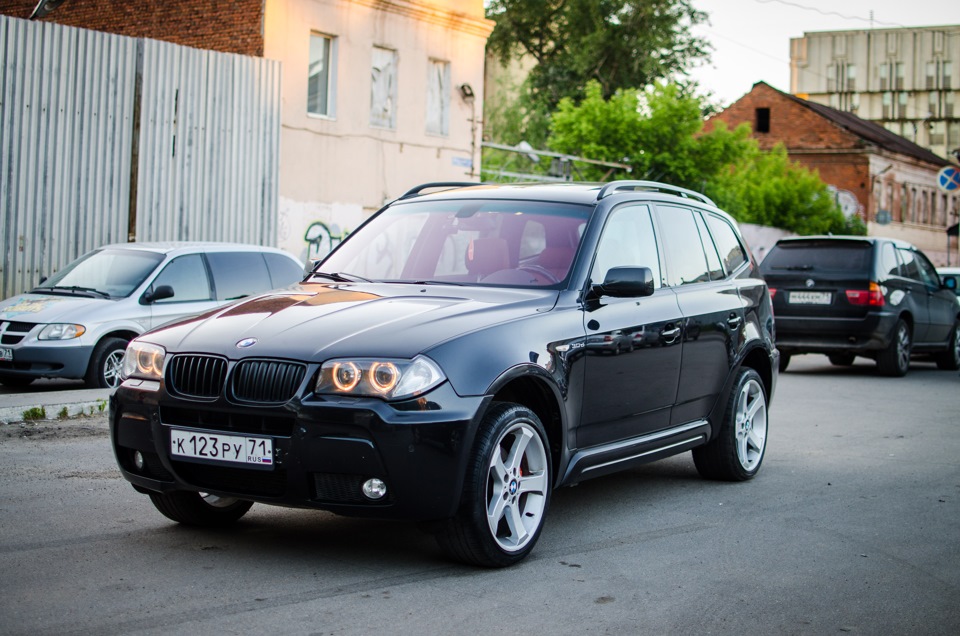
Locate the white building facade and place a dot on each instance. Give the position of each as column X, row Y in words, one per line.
column 377, row 96
column 906, row 79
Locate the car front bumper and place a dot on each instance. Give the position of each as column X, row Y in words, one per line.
column 324, row 449
column 53, row 359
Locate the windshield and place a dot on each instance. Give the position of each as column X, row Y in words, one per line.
column 113, row 272
column 513, row 243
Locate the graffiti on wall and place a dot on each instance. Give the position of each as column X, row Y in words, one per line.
column 322, row 238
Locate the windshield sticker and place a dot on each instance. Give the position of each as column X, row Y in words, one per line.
column 28, row 305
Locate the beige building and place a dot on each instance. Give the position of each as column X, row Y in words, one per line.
column 377, row 97
column 906, row 79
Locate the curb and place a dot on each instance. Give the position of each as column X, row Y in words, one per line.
column 53, row 405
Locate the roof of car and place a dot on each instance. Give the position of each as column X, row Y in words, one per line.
column 166, row 247
column 566, row 192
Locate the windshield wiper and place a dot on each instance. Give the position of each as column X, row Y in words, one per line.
column 75, row 289
column 342, row 277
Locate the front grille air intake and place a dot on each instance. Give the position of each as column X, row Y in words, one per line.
column 266, row 381
column 197, row 376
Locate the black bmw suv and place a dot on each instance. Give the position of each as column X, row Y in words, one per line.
column 857, row 296
column 439, row 365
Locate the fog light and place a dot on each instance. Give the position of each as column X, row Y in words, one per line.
column 138, row 461
column 374, row 489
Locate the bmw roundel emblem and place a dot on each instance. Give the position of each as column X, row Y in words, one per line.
column 246, row 342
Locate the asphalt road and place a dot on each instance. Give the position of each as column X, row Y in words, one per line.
column 852, row 526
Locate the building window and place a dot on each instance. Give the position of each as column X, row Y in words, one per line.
column 902, row 105
column 931, row 75
column 937, row 132
column 900, row 76
column 851, row 78
column 887, row 100
column 832, row 78
column 854, row 102
column 948, row 101
column 321, row 77
column 884, row 72
column 438, row 97
column 383, row 88
column 946, row 72
column 953, row 135
column 763, row 120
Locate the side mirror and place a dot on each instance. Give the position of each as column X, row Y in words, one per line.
column 626, row 282
column 950, row 282
column 160, row 293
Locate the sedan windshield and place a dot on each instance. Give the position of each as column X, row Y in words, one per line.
column 112, row 273
column 513, row 243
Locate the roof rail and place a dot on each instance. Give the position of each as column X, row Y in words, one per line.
column 613, row 186
column 412, row 192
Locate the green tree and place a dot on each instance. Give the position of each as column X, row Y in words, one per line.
column 618, row 43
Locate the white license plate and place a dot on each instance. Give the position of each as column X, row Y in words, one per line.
column 809, row 298
column 6, row 355
column 236, row 449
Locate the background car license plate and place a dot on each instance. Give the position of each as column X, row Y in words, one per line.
column 6, row 354
column 809, row 298
column 223, row 448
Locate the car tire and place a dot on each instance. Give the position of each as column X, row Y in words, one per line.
column 506, row 491
column 103, row 372
column 784, row 361
column 949, row 359
column 841, row 359
column 200, row 509
column 894, row 361
column 737, row 451
column 16, row 381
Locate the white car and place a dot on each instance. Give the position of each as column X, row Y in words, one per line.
column 76, row 324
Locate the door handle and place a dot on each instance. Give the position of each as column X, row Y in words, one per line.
column 734, row 322
column 670, row 335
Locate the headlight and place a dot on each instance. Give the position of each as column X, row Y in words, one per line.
column 370, row 377
column 143, row 360
column 58, row 331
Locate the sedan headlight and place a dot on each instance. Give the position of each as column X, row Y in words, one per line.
column 60, row 331
column 143, row 360
column 371, row 377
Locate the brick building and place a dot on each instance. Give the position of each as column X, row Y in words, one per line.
column 376, row 95
column 889, row 181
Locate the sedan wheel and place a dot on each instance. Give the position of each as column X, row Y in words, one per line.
column 506, row 493
column 736, row 451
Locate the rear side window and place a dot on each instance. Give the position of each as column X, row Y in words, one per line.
column 686, row 262
column 822, row 257
column 731, row 249
column 238, row 274
column 283, row 271
column 888, row 260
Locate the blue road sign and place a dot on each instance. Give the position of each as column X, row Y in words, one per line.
column 948, row 179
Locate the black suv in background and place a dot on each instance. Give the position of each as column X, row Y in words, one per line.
column 453, row 361
column 856, row 296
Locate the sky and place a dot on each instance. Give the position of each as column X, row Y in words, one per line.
column 751, row 38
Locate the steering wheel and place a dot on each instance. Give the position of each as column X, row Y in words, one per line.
column 540, row 271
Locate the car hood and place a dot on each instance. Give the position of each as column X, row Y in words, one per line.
column 315, row 322
column 43, row 308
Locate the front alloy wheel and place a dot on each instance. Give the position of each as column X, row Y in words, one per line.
column 506, row 491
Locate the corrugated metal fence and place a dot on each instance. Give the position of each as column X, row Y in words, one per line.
column 105, row 138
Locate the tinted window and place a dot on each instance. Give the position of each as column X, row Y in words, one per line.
column 627, row 241
column 713, row 259
column 187, row 275
column 731, row 250
column 283, row 271
column 888, row 260
column 238, row 274
column 927, row 270
column 835, row 256
column 911, row 268
column 686, row 262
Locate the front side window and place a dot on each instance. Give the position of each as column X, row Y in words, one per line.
column 628, row 241
column 187, row 275
column 383, row 88
column 321, row 78
column 438, row 97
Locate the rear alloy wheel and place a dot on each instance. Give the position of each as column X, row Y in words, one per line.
column 894, row 361
column 949, row 359
column 841, row 359
column 506, row 491
column 106, row 364
column 200, row 508
column 737, row 451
